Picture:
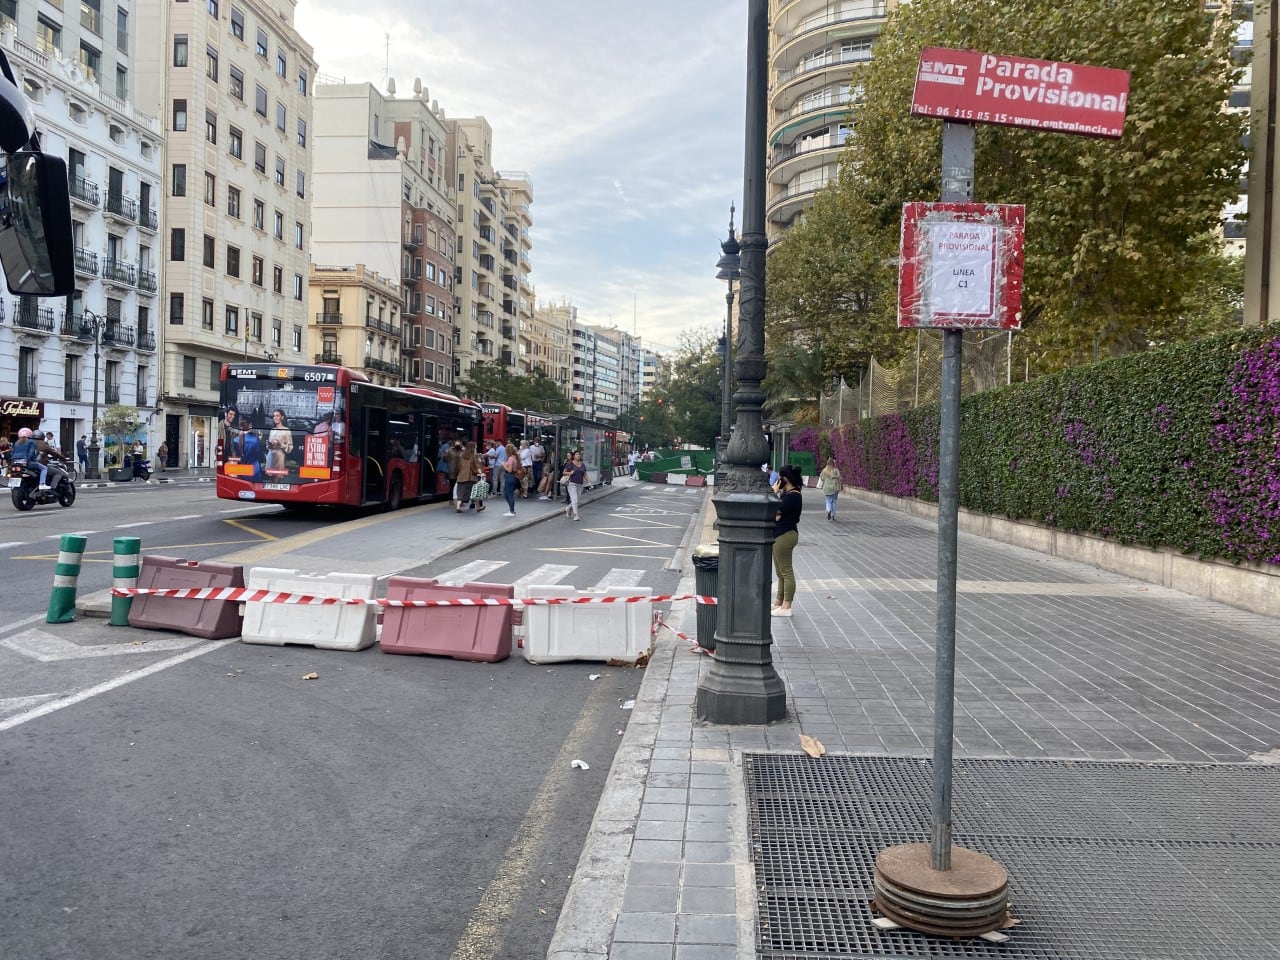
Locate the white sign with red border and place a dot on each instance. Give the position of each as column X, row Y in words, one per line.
column 961, row 266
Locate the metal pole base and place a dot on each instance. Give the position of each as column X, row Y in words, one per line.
column 970, row 899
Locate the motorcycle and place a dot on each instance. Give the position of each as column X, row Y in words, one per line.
column 140, row 468
column 24, row 481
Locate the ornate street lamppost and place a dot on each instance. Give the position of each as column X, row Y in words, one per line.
column 741, row 686
column 729, row 269
column 91, row 322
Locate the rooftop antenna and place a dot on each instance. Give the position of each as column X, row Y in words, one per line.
column 386, row 71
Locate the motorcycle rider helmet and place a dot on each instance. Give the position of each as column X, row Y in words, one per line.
column 24, row 433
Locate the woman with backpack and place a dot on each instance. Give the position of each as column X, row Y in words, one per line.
column 829, row 481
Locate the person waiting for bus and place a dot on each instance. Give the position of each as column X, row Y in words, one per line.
column 539, row 454
column 279, row 442
column 493, row 459
column 509, row 480
column 25, row 449
column 470, row 469
column 575, row 476
column 526, row 467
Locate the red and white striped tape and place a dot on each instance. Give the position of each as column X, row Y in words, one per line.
column 245, row 595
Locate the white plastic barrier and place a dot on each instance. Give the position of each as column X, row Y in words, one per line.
column 336, row 627
column 587, row 631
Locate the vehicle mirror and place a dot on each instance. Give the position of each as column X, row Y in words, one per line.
column 17, row 123
column 35, row 225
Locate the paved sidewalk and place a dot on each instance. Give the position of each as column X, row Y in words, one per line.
column 1099, row 690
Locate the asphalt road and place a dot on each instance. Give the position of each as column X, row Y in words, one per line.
column 225, row 807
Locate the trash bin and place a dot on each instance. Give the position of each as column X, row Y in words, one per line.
column 706, row 578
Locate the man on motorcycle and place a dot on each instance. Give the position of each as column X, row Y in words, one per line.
column 51, row 457
column 27, row 449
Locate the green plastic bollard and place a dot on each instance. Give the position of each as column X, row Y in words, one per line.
column 124, row 573
column 62, row 601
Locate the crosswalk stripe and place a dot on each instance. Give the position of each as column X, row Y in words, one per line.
column 620, row 577
column 544, row 576
column 12, row 543
column 470, row 571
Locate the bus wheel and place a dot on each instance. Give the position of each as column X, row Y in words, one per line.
column 393, row 495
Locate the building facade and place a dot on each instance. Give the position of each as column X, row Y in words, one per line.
column 231, row 81
column 357, row 321
column 491, row 274
column 384, row 198
column 61, row 359
column 815, row 48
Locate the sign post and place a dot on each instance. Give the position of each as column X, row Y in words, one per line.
column 961, row 268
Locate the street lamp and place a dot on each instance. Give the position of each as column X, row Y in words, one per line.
column 741, row 685
column 728, row 268
column 90, row 321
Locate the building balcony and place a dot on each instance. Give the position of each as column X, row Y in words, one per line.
column 111, row 393
column 149, row 220
column 407, row 348
column 73, row 326
column 86, row 262
column 34, row 318
column 120, row 207
column 328, row 319
column 142, row 397
column 790, row 162
column 485, row 318
column 387, row 367
column 782, row 207
column 509, row 282
column 83, row 192
column 117, row 334
column 508, row 331
column 329, row 356
column 412, row 240
column 825, row 28
column 146, row 341
column 382, row 326
column 147, row 281
column 29, row 385
column 118, row 272
column 71, row 391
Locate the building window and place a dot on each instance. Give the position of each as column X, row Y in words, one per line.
column 236, row 147
column 180, row 50
column 176, row 305
column 282, row 65
column 237, row 24
column 297, row 234
column 178, row 182
column 233, row 320
column 302, row 184
column 297, row 286
column 259, row 214
column 257, row 276
column 237, row 83
column 279, row 171
column 211, row 64
column 260, row 157
column 302, row 82
column 302, row 133
column 277, row 281
column 260, row 48
column 122, row 83
column 233, row 261
column 209, row 247
column 179, row 115
column 233, row 202
column 210, row 189
column 189, row 372
column 297, row 335
column 215, row 375
column 255, row 326
column 275, row 331
column 206, row 314
column 177, row 244
column 213, row 8
column 278, row 226
column 260, row 100
column 282, row 117
column 211, row 126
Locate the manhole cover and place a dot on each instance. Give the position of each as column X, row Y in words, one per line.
column 1118, row 861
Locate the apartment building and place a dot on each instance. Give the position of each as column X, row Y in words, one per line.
column 232, row 83
column 358, row 320
column 384, row 198
column 815, row 49
column 59, row 359
column 606, row 371
column 491, row 273
column 553, row 324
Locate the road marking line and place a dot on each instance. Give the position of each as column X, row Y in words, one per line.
column 241, row 525
column 10, row 704
column 42, row 711
column 46, row 648
column 620, row 577
column 469, row 571
column 129, row 526
column 189, row 516
column 13, row 543
column 546, row 575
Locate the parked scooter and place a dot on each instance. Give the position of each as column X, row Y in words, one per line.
column 141, row 468
column 24, row 482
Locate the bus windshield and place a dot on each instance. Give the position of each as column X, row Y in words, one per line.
column 277, row 429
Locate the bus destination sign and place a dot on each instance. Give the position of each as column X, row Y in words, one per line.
column 967, row 86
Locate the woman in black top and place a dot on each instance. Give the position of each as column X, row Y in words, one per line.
column 785, row 536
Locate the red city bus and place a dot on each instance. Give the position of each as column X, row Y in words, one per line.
column 302, row 435
column 502, row 424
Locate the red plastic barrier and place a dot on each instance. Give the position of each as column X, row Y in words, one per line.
column 657, row 478
column 464, row 633
column 211, row 619
column 696, row 482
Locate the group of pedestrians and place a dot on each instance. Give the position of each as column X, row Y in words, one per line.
column 512, row 471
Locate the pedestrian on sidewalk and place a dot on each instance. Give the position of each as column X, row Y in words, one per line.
column 162, row 456
column 469, row 471
column 786, row 534
column 526, row 468
column 82, row 454
column 509, row 480
column 829, row 480
column 575, row 475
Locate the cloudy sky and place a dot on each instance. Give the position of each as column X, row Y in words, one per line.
column 628, row 118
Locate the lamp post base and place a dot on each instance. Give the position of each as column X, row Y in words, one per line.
column 91, row 471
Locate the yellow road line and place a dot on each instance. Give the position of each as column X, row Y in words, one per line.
column 241, row 525
column 482, row 939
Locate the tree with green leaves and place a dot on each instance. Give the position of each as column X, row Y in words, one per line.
column 497, row 383
column 1119, row 243
column 684, row 405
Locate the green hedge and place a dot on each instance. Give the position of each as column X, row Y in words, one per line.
column 1175, row 447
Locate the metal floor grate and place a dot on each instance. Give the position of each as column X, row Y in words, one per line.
column 1107, row 861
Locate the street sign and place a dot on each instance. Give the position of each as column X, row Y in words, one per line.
column 966, row 86
column 961, row 266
